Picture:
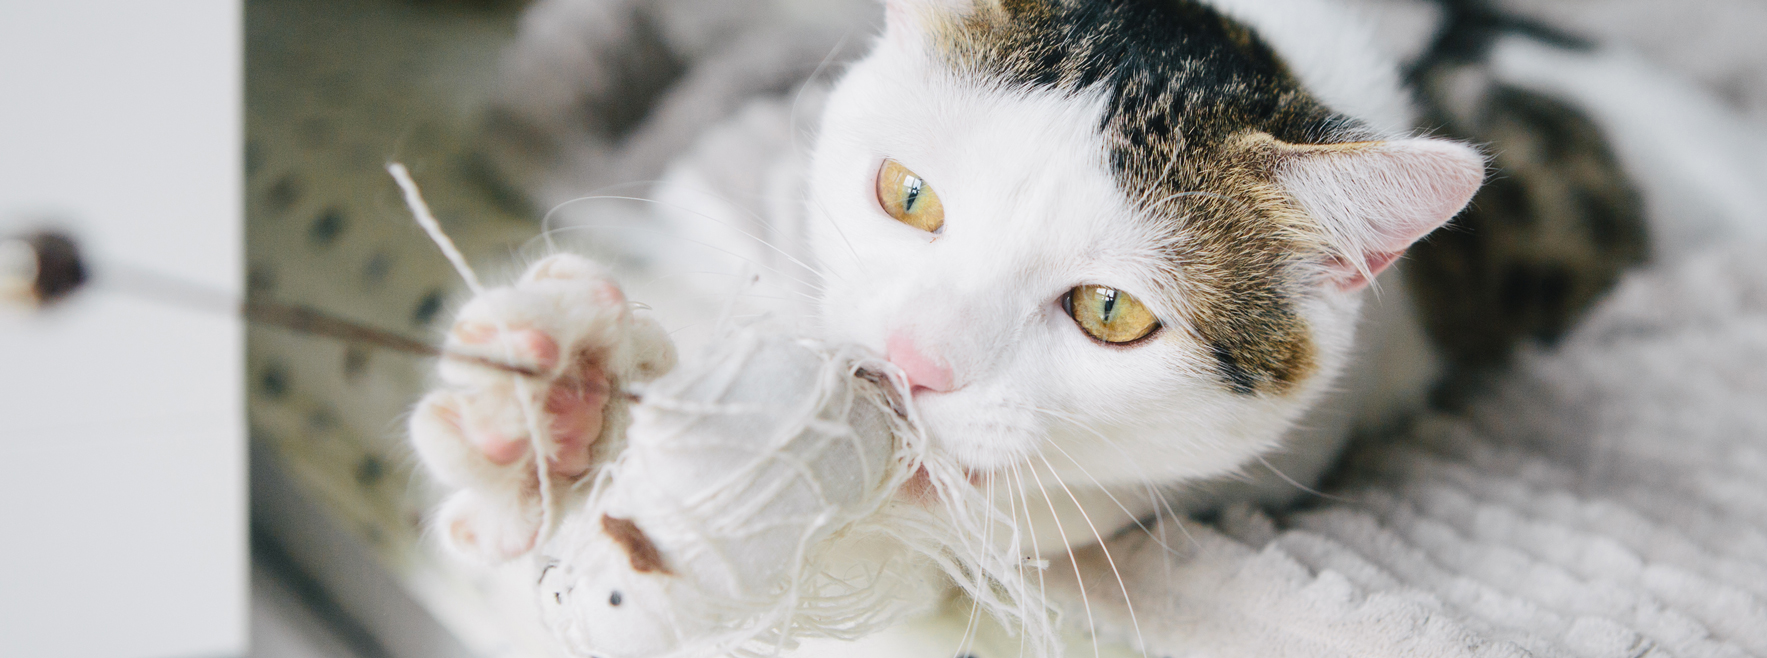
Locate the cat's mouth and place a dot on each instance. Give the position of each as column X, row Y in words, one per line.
column 981, row 430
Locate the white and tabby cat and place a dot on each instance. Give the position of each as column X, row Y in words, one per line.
column 1121, row 244
column 1122, row 249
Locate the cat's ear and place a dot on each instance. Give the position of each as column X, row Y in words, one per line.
column 1372, row 200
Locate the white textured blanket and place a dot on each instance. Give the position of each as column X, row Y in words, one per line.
column 1608, row 499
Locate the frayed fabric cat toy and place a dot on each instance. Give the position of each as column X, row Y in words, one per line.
column 759, row 499
column 777, row 488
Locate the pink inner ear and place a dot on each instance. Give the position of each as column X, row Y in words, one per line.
column 1350, row 278
column 1372, row 201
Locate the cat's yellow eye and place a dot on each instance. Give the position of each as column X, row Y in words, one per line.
column 1110, row 315
column 907, row 197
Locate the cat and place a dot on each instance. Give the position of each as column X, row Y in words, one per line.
column 1124, row 250
column 1118, row 244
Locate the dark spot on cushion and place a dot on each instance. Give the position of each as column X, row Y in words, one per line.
column 369, row 471
column 327, row 227
column 375, row 270
column 482, row 173
column 427, row 308
column 320, row 420
column 614, row 599
column 260, row 278
column 284, row 193
column 273, row 381
column 355, row 362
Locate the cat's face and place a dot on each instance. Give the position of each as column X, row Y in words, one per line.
column 1053, row 298
column 1029, row 214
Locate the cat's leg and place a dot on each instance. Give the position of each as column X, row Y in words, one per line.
column 567, row 320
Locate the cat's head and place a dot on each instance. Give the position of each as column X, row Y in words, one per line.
column 1125, row 237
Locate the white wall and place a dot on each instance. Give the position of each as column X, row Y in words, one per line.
column 122, row 497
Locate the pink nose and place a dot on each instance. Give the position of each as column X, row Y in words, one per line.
column 923, row 371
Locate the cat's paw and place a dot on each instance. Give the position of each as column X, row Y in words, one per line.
column 567, row 321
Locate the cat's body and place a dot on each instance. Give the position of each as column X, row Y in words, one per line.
column 1240, row 169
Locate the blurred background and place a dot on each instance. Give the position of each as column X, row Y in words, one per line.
column 334, row 90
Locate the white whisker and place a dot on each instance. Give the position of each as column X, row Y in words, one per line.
column 792, row 115
column 1170, row 513
column 829, row 217
column 1031, row 531
column 1126, row 511
column 1068, row 544
column 1160, row 502
column 1127, row 600
column 1298, row 485
column 975, row 604
column 628, row 227
column 763, row 242
column 1018, row 553
column 546, row 219
column 599, row 194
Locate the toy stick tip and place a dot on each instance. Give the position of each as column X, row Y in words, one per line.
column 40, row 268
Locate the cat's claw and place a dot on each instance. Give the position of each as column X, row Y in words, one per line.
column 567, row 320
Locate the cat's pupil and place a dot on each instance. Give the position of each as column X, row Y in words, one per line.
column 1110, row 305
column 910, row 193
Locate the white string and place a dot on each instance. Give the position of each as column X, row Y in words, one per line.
column 427, row 220
column 536, row 441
